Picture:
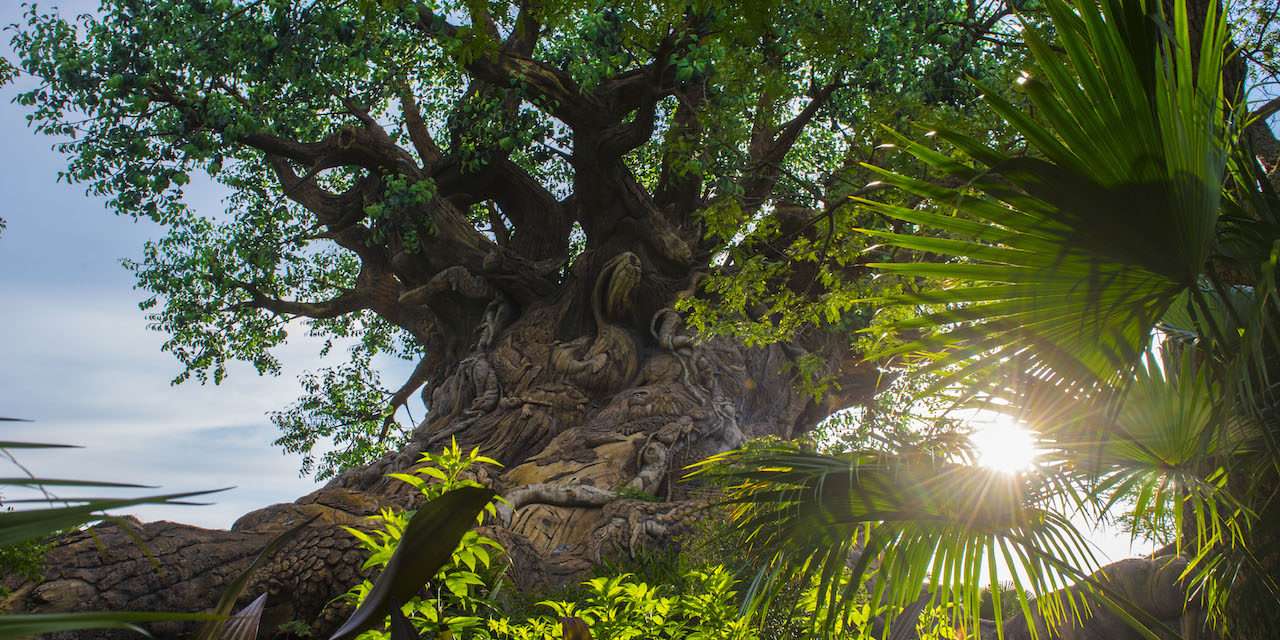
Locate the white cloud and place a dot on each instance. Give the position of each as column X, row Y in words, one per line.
column 75, row 354
column 88, row 371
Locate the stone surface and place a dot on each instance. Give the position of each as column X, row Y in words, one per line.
column 573, row 449
column 605, row 401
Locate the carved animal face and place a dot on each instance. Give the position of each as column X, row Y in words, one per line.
column 647, row 402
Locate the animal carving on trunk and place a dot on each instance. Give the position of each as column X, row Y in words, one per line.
column 474, row 389
column 607, row 361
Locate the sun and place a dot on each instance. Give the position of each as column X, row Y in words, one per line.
column 1002, row 444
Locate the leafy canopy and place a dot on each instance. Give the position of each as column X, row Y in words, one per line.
column 370, row 148
column 1097, row 286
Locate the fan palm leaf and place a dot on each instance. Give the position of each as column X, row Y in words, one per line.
column 1045, row 276
column 898, row 523
column 1167, row 448
column 1065, row 256
column 1057, row 264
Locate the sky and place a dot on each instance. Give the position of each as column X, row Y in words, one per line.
column 76, row 356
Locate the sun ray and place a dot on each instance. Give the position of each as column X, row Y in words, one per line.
column 1001, row 443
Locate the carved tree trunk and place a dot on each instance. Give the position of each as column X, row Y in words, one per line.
column 580, row 397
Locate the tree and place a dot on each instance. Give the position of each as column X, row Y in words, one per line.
column 1113, row 286
column 529, row 199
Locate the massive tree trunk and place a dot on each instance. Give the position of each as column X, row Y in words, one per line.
column 576, row 425
column 585, row 398
column 573, row 371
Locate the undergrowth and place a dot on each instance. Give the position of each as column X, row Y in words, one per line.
column 693, row 590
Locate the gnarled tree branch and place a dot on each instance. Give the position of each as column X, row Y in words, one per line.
column 423, row 143
column 346, row 302
column 770, row 149
column 558, row 91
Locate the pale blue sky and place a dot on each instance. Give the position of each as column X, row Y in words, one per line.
column 76, row 356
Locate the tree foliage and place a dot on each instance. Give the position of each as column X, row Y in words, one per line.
column 369, row 149
column 1096, row 285
column 1095, row 252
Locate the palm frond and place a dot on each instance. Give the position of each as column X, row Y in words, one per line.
column 14, row 626
column 1161, row 451
column 1066, row 255
column 39, row 524
column 1167, row 447
column 17, row 526
column 898, row 524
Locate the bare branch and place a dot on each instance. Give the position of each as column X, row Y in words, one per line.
column 527, row 29
column 766, row 158
column 340, row 213
column 541, row 225
column 334, row 210
column 367, row 146
column 496, row 226
column 679, row 189
column 640, row 92
column 402, row 395
column 1268, row 109
column 426, row 147
column 618, row 140
column 349, row 301
column 482, row 20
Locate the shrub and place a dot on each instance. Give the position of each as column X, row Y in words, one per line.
column 661, row 595
column 699, row 604
column 466, row 585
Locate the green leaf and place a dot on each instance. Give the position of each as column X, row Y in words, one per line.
column 1078, row 248
column 433, row 472
column 411, row 480
column 16, row 526
column 13, row 626
column 244, row 624
column 401, row 628
column 7, row 444
column 57, row 482
column 427, row 544
column 804, row 515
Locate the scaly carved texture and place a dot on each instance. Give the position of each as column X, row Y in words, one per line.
column 660, row 411
column 166, row 566
column 680, row 405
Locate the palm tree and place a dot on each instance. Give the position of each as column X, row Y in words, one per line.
column 1113, row 286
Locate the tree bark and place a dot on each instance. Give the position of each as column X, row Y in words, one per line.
column 581, row 415
column 581, row 398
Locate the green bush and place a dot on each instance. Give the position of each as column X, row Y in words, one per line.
column 697, row 603
column 657, row 595
column 704, row 607
column 23, row 560
column 467, row 584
